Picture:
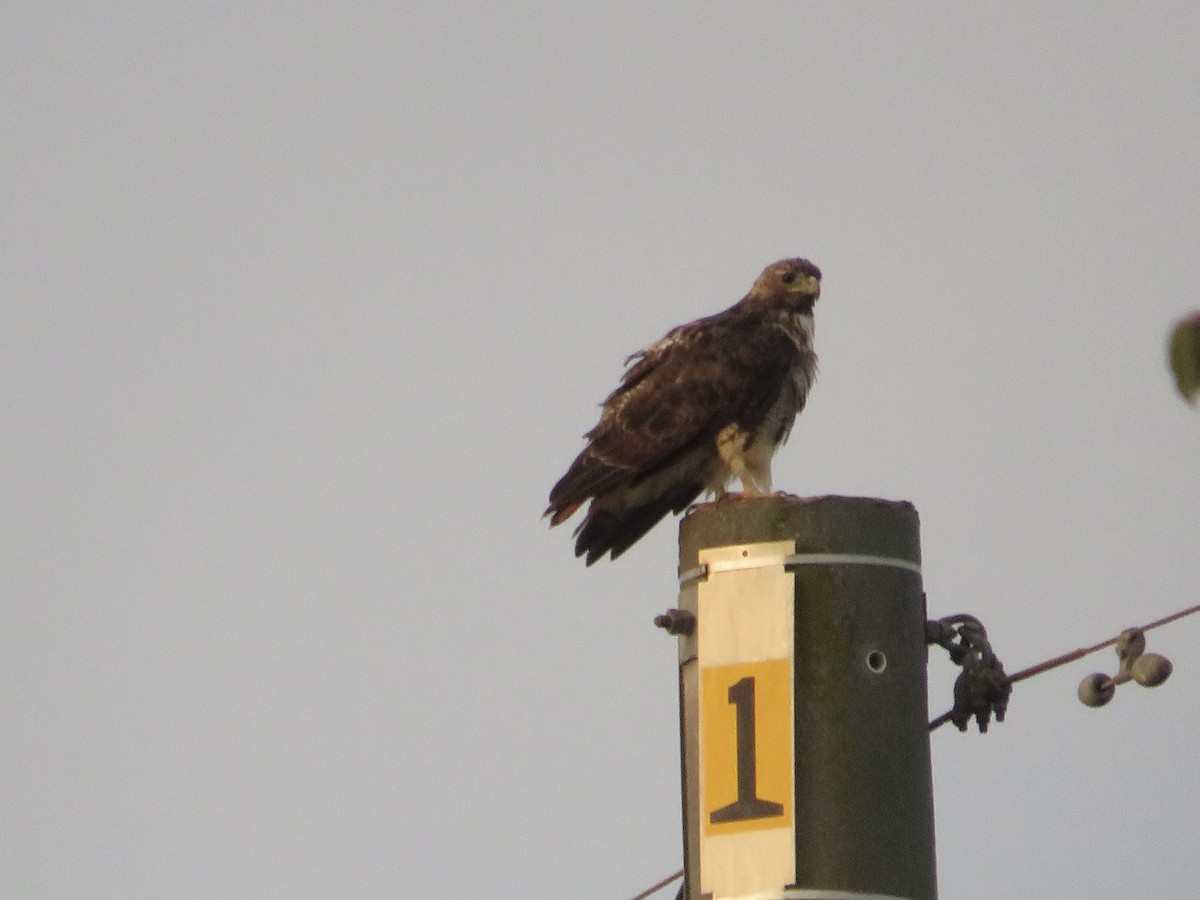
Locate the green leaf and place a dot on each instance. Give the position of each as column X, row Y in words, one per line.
column 1185, row 356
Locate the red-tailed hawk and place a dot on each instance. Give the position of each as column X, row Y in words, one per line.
column 713, row 399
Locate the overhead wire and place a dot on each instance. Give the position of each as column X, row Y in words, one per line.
column 659, row 886
column 1028, row 672
column 1062, row 659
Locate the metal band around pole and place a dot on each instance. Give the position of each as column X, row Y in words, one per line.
column 796, row 559
column 815, row 894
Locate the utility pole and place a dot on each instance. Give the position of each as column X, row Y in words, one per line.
column 803, row 711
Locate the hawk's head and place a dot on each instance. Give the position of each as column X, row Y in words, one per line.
column 789, row 279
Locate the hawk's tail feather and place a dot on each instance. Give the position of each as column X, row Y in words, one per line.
column 560, row 513
column 588, row 477
column 614, row 530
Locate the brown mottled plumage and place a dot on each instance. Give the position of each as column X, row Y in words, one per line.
column 712, row 400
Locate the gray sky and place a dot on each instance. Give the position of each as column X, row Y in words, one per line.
column 305, row 310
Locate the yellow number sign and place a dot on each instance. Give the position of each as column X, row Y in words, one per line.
column 746, row 746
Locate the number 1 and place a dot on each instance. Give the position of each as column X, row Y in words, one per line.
column 748, row 804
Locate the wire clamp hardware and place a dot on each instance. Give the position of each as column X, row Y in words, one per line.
column 982, row 688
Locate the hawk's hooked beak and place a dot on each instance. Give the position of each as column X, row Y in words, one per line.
column 805, row 284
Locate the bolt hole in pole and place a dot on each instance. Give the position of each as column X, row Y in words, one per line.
column 876, row 661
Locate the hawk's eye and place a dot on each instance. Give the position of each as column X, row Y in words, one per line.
column 787, row 277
